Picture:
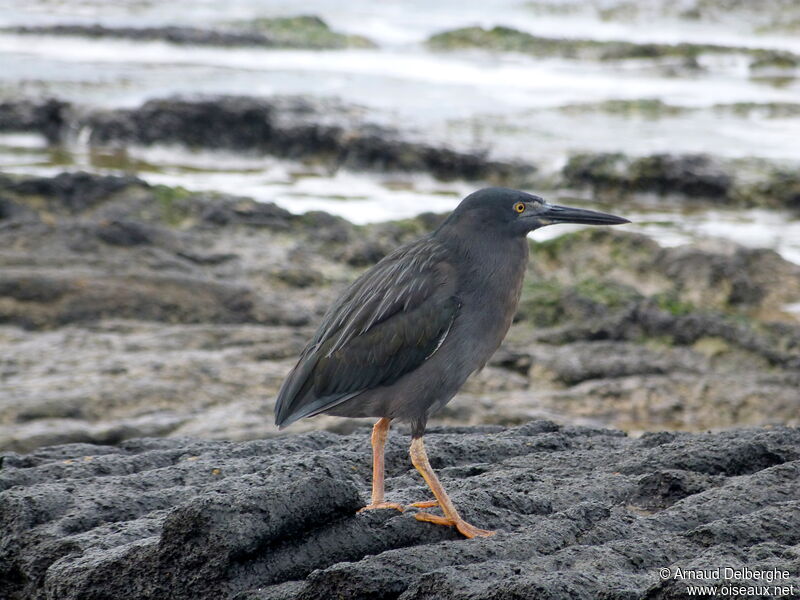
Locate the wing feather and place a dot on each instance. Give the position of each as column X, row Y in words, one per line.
column 386, row 324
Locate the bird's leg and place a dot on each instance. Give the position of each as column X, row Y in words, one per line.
column 419, row 458
column 379, row 434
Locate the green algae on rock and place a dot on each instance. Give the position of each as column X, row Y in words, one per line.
column 279, row 32
column 305, row 31
column 507, row 39
column 760, row 17
column 653, row 108
column 648, row 108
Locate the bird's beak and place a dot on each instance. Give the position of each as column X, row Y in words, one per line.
column 554, row 213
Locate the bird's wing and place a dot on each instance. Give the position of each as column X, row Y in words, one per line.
column 385, row 325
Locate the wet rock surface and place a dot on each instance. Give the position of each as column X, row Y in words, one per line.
column 49, row 117
column 326, row 132
column 281, row 32
column 334, row 135
column 682, row 57
column 136, row 310
column 580, row 513
column 692, row 178
column 769, row 15
column 172, row 34
column 289, row 128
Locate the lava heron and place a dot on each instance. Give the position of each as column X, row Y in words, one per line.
column 403, row 338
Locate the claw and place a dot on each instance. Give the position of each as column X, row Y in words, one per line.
column 461, row 525
column 379, row 505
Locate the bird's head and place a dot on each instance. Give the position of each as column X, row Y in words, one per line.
column 503, row 211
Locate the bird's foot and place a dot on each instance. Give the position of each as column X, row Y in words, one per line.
column 379, row 505
column 460, row 524
column 424, row 504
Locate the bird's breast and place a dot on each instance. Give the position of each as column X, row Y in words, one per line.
column 490, row 294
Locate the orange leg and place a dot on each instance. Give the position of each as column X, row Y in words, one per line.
column 379, row 434
column 419, row 459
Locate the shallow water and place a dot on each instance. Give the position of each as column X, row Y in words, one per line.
column 501, row 104
column 508, row 105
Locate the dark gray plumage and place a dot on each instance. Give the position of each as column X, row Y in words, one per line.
column 403, row 338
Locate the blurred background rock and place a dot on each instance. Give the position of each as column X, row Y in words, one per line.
column 185, row 187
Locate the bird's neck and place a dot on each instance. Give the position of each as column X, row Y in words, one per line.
column 490, row 271
column 494, row 260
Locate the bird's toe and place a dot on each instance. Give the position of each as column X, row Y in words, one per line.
column 380, row 505
column 436, row 519
column 424, row 504
column 471, row 531
column 461, row 525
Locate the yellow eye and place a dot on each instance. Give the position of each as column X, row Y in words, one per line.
column 519, row 207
